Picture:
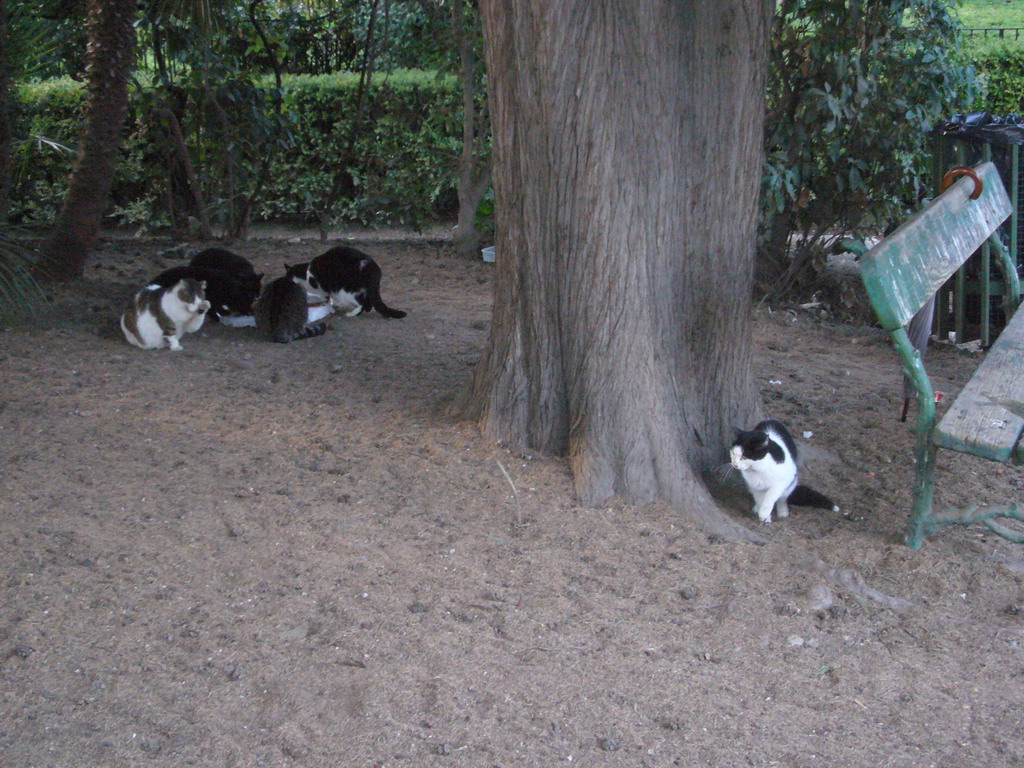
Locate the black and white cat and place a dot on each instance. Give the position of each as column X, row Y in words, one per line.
column 160, row 316
column 283, row 314
column 766, row 457
column 347, row 277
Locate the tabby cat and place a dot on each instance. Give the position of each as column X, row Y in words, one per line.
column 283, row 315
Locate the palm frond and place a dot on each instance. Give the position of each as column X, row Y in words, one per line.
column 20, row 294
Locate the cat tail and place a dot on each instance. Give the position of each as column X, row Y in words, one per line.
column 803, row 496
column 308, row 332
column 384, row 309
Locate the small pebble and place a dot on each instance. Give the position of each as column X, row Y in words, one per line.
column 819, row 598
column 794, row 641
column 608, row 744
column 688, row 593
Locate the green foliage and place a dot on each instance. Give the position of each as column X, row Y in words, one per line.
column 47, row 38
column 854, row 89
column 404, row 161
column 1001, row 75
column 48, row 120
column 19, row 292
column 402, row 170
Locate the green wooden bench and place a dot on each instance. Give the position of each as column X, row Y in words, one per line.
column 901, row 274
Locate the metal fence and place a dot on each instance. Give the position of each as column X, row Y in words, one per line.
column 970, row 304
column 1006, row 33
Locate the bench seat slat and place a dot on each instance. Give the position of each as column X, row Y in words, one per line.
column 906, row 269
column 987, row 417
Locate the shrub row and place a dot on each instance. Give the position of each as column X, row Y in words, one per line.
column 401, row 168
column 1001, row 72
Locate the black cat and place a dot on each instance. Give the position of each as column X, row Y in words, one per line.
column 347, row 277
column 240, row 282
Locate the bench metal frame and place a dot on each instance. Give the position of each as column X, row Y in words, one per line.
column 901, row 273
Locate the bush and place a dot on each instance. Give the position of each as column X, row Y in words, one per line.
column 853, row 91
column 48, row 117
column 403, row 161
column 1001, row 74
column 401, row 169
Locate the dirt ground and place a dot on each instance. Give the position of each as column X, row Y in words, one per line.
column 250, row 554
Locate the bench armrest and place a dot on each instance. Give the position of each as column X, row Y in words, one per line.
column 1010, row 279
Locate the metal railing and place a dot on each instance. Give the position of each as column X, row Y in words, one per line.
column 1000, row 32
column 965, row 304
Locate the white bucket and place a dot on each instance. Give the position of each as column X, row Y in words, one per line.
column 488, row 254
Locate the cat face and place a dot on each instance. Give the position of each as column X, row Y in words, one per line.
column 748, row 448
column 192, row 294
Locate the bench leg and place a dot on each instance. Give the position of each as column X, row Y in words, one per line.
column 921, row 519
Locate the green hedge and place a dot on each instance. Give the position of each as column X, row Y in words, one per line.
column 1001, row 72
column 403, row 168
column 48, row 116
column 405, row 159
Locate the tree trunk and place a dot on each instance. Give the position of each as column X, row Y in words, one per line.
column 108, row 65
column 177, row 143
column 6, row 129
column 474, row 171
column 627, row 151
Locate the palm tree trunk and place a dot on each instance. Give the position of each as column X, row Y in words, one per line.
column 109, row 60
column 6, row 130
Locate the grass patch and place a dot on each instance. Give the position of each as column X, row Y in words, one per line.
column 982, row 14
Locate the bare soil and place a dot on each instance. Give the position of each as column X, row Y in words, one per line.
column 251, row 554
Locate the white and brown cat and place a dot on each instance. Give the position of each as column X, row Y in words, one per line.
column 159, row 316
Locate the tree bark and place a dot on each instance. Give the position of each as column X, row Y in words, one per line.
column 6, row 129
column 109, row 60
column 627, row 150
column 178, row 146
column 474, row 170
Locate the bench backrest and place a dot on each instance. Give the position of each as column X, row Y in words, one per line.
column 905, row 269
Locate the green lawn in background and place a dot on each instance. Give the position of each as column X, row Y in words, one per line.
column 991, row 13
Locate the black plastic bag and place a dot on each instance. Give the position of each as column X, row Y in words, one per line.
column 983, row 128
